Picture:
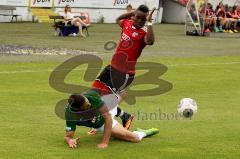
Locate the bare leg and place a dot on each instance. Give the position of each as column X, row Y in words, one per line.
column 235, row 24
column 76, row 23
column 81, row 21
column 225, row 24
column 81, row 31
column 121, row 133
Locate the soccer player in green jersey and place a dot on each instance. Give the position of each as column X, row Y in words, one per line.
column 89, row 109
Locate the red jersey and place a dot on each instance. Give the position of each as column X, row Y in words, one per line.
column 228, row 14
column 237, row 13
column 221, row 13
column 234, row 15
column 209, row 12
column 129, row 47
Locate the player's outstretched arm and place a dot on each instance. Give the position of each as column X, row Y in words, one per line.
column 149, row 37
column 119, row 20
column 107, row 127
column 68, row 138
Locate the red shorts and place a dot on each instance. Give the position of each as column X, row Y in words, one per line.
column 101, row 87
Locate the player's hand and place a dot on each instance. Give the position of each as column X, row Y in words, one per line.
column 102, row 146
column 72, row 143
column 149, row 17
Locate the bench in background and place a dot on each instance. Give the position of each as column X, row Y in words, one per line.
column 11, row 13
column 60, row 24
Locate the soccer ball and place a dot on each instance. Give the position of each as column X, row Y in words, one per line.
column 187, row 107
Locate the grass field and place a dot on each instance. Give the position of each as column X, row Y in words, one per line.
column 206, row 70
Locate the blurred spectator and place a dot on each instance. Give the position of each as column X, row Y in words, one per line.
column 232, row 26
column 129, row 8
column 70, row 20
column 221, row 16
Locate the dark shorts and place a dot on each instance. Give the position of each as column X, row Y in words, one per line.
column 114, row 79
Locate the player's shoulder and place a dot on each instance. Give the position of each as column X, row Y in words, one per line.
column 94, row 98
column 92, row 92
column 127, row 22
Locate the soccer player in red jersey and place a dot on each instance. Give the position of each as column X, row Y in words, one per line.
column 210, row 19
column 220, row 14
column 232, row 21
column 137, row 32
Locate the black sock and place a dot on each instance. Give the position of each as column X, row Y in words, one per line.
column 119, row 110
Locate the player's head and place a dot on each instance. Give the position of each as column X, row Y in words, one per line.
column 226, row 7
column 237, row 7
column 67, row 8
column 234, row 8
column 78, row 102
column 140, row 16
column 220, row 3
column 230, row 9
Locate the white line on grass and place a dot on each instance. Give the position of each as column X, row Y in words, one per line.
column 205, row 64
column 170, row 65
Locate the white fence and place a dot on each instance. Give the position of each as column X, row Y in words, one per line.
column 109, row 9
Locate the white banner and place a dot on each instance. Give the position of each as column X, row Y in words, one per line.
column 82, row 3
column 14, row 2
column 41, row 3
column 105, row 3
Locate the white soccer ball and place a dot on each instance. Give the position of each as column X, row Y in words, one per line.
column 187, row 107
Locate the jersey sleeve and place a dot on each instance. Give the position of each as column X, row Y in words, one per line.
column 124, row 21
column 70, row 126
column 94, row 98
column 98, row 102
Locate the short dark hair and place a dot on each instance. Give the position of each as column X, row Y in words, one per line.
column 76, row 101
column 129, row 6
column 143, row 8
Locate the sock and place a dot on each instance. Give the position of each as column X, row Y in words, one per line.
column 140, row 135
column 120, row 112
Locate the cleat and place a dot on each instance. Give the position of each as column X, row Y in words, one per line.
column 215, row 29
column 127, row 120
column 220, row 29
column 149, row 132
column 207, row 31
column 92, row 132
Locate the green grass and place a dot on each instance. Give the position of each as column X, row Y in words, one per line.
column 170, row 39
column 204, row 69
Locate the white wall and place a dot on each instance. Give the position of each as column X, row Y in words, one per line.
column 23, row 11
column 109, row 10
column 109, row 15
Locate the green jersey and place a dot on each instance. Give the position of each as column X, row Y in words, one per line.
column 95, row 119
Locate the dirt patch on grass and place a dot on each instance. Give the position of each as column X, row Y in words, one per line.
column 29, row 50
